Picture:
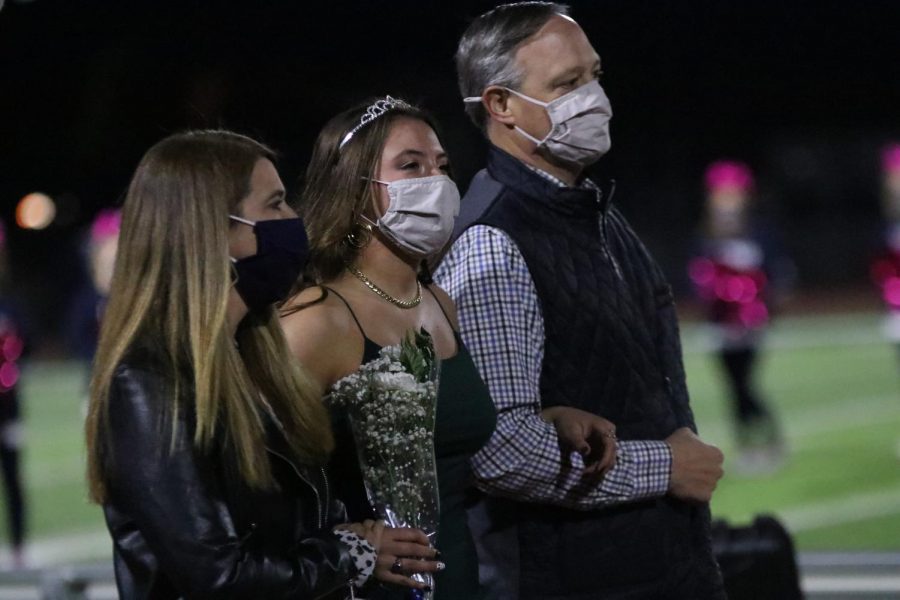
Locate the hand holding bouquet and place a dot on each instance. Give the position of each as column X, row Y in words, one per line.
column 391, row 403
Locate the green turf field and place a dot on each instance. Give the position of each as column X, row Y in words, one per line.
column 835, row 384
column 61, row 522
column 832, row 379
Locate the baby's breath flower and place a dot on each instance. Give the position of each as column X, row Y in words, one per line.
column 391, row 403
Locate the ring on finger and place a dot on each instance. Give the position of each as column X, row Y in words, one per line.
column 611, row 434
column 397, row 567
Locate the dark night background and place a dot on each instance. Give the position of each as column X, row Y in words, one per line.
column 805, row 92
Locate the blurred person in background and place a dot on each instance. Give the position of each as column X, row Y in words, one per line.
column 87, row 306
column 90, row 300
column 740, row 274
column 12, row 347
column 886, row 267
column 206, row 439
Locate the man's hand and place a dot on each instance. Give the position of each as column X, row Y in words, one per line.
column 591, row 436
column 696, row 466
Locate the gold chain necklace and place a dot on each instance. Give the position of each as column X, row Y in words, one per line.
column 383, row 294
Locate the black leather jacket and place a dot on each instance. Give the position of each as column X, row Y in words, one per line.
column 184, row 525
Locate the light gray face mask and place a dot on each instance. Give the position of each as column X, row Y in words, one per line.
column 421, row 214
column 579, row 124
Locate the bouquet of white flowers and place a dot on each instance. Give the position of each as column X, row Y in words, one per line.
column 391, row 404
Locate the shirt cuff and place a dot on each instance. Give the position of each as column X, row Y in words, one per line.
column 362, row 553
column 652, row 463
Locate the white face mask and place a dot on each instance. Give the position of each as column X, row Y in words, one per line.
column 579, row 124
column 421, row 213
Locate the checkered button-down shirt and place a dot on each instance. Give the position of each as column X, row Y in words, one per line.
column 501, row 324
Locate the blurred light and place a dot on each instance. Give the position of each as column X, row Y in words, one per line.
column 9, row 375
column 12, row 348
column 892, row 291
column 882, row 270
column 730, row 288
column 754, row 314
column 35, row 211
column 750, row 289
column 702, row 271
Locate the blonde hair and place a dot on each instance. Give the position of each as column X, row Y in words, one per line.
column 169, row 293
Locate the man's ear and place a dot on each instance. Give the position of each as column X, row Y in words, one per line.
column 495, row 100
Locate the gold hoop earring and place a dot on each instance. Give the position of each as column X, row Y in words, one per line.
column 360, row 236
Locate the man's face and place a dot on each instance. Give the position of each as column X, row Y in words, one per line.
column 555, row 61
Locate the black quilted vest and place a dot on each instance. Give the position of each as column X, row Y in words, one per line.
column 611, row 347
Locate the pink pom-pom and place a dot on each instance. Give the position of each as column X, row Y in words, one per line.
column 730, row 174
column 106, row 224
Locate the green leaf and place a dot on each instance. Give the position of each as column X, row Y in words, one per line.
column 417, row 354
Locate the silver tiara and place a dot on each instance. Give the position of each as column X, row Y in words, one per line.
column 374, row 111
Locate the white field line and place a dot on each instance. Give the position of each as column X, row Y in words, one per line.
column 64, row 549
column 848, row 413
column 805, row 428
column 97, row 544
column 811, row 429
column 795, row 334
column 699, row 343
column 812, row 561
column 812, row 421
column 838, row 511
column 94, row 545
column 818, row 584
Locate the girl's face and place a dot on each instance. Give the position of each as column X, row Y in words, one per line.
column 265, row 201
column 412, row 150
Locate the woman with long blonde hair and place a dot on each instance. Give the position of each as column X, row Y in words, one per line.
column 206, row 441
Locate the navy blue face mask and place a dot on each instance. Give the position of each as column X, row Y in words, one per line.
column 281, row 252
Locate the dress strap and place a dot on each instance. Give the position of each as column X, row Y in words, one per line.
column 441, row 306
column 352, row 314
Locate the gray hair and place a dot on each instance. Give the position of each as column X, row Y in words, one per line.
column 487, row 50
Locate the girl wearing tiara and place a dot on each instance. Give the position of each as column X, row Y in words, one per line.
column 378, row 203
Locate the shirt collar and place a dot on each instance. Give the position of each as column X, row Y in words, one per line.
column 586, row 183
column 578, row 201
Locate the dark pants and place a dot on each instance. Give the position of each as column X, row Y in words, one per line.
column 738, row 365
column 9, row 461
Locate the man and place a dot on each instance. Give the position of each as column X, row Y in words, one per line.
column 568, row 318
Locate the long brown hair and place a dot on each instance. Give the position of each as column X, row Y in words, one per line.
column 169, row 293
column 335, row 187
